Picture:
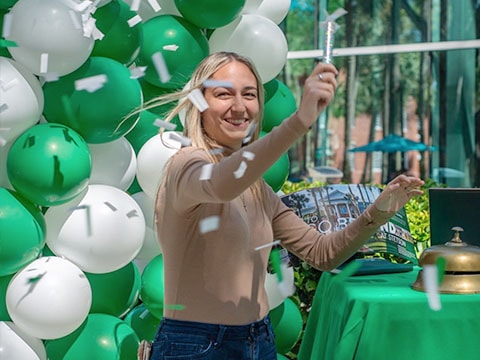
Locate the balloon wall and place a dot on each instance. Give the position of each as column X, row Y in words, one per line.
column 81, row 268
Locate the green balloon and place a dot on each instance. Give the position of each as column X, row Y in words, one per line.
column 7, row 4
column 49, row 164
column 22, row 232
column 152, row 286
column 121, row 41
column 287, row 323
column 143, row 322
column 181, row 45
column 99, row 115
column 277, row 174
column 143, row 130
column 210, row 14
column 280, row 104
column 101, row 336
column 4, row 281
column 124, row 283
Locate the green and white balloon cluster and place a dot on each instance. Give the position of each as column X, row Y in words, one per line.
column 80, row 264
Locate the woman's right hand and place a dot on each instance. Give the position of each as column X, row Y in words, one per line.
column 318, row 91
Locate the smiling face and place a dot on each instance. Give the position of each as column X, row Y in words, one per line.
column 231, row 109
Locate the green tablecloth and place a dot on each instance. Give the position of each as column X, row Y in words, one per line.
column 380, row 317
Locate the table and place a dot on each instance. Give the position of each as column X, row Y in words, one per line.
column 374, row 317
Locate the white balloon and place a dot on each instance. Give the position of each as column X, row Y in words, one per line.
column 151, row 246
column 277, row 292
column 257, row 38
column 151, row 160
column 51, row 36
column 16, row 344
column 113, row 163
column 275, row 10
column 100, row 232
column 21, row 99
column 49, row 298
column 251, row 6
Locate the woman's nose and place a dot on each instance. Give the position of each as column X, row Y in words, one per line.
column 238, row 104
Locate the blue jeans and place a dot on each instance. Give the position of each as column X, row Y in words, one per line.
column 187, row 340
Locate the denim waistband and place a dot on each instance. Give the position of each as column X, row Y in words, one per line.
column 225, row 331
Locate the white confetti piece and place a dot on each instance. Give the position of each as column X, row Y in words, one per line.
column 241, row 170
column 91, row 84
column 135, row 5
column 154, row 5
column 3, row 142
column 88, row 23
column 165, row 124
column 250, row 132
column 3, row 107
column 134, row 20
column 248, row 155
column 217, row 151
column 43, row 63
column 5, row 86
column 209, row 224
column 430, row 281
column 217, row 83
column 198, row 100
column 206, row 173
column 97, row 34
column 170, row 47
column 264, row 246
column 161, row 67
column 180, row 139
column 50, row 77
column 7, row 25
column 137, row 72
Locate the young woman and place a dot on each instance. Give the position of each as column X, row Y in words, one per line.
column 213, row 209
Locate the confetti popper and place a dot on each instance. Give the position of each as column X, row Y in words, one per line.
column 330, row 26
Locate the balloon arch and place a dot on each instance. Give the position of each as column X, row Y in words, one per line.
column 80, row 264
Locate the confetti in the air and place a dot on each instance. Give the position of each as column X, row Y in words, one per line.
column 165, row 124
column 7, row 25
column 209, row 224
column 43, row 63
column 134, row 20
column 50, row 76
column 248, row 155
column 180, row 139
column 241, row 170
column 161, row 67
column 137, row 72
column 3, row 107
column 154, row 5
column 217, row 83
column 250, row 132
column 206, row 173
column 217, row 151
column 172, row 47
column 5, row 86
column 430, row 280
column 91, row 84
column 135, row 5
column 264, row 246
column 198, row 100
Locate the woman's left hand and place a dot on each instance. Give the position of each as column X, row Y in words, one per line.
column 398, row 192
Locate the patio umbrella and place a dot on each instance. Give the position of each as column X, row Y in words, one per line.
column 393, row 143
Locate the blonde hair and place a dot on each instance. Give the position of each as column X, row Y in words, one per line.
column 193, row 128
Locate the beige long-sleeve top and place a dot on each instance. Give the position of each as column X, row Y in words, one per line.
column 209, row 223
